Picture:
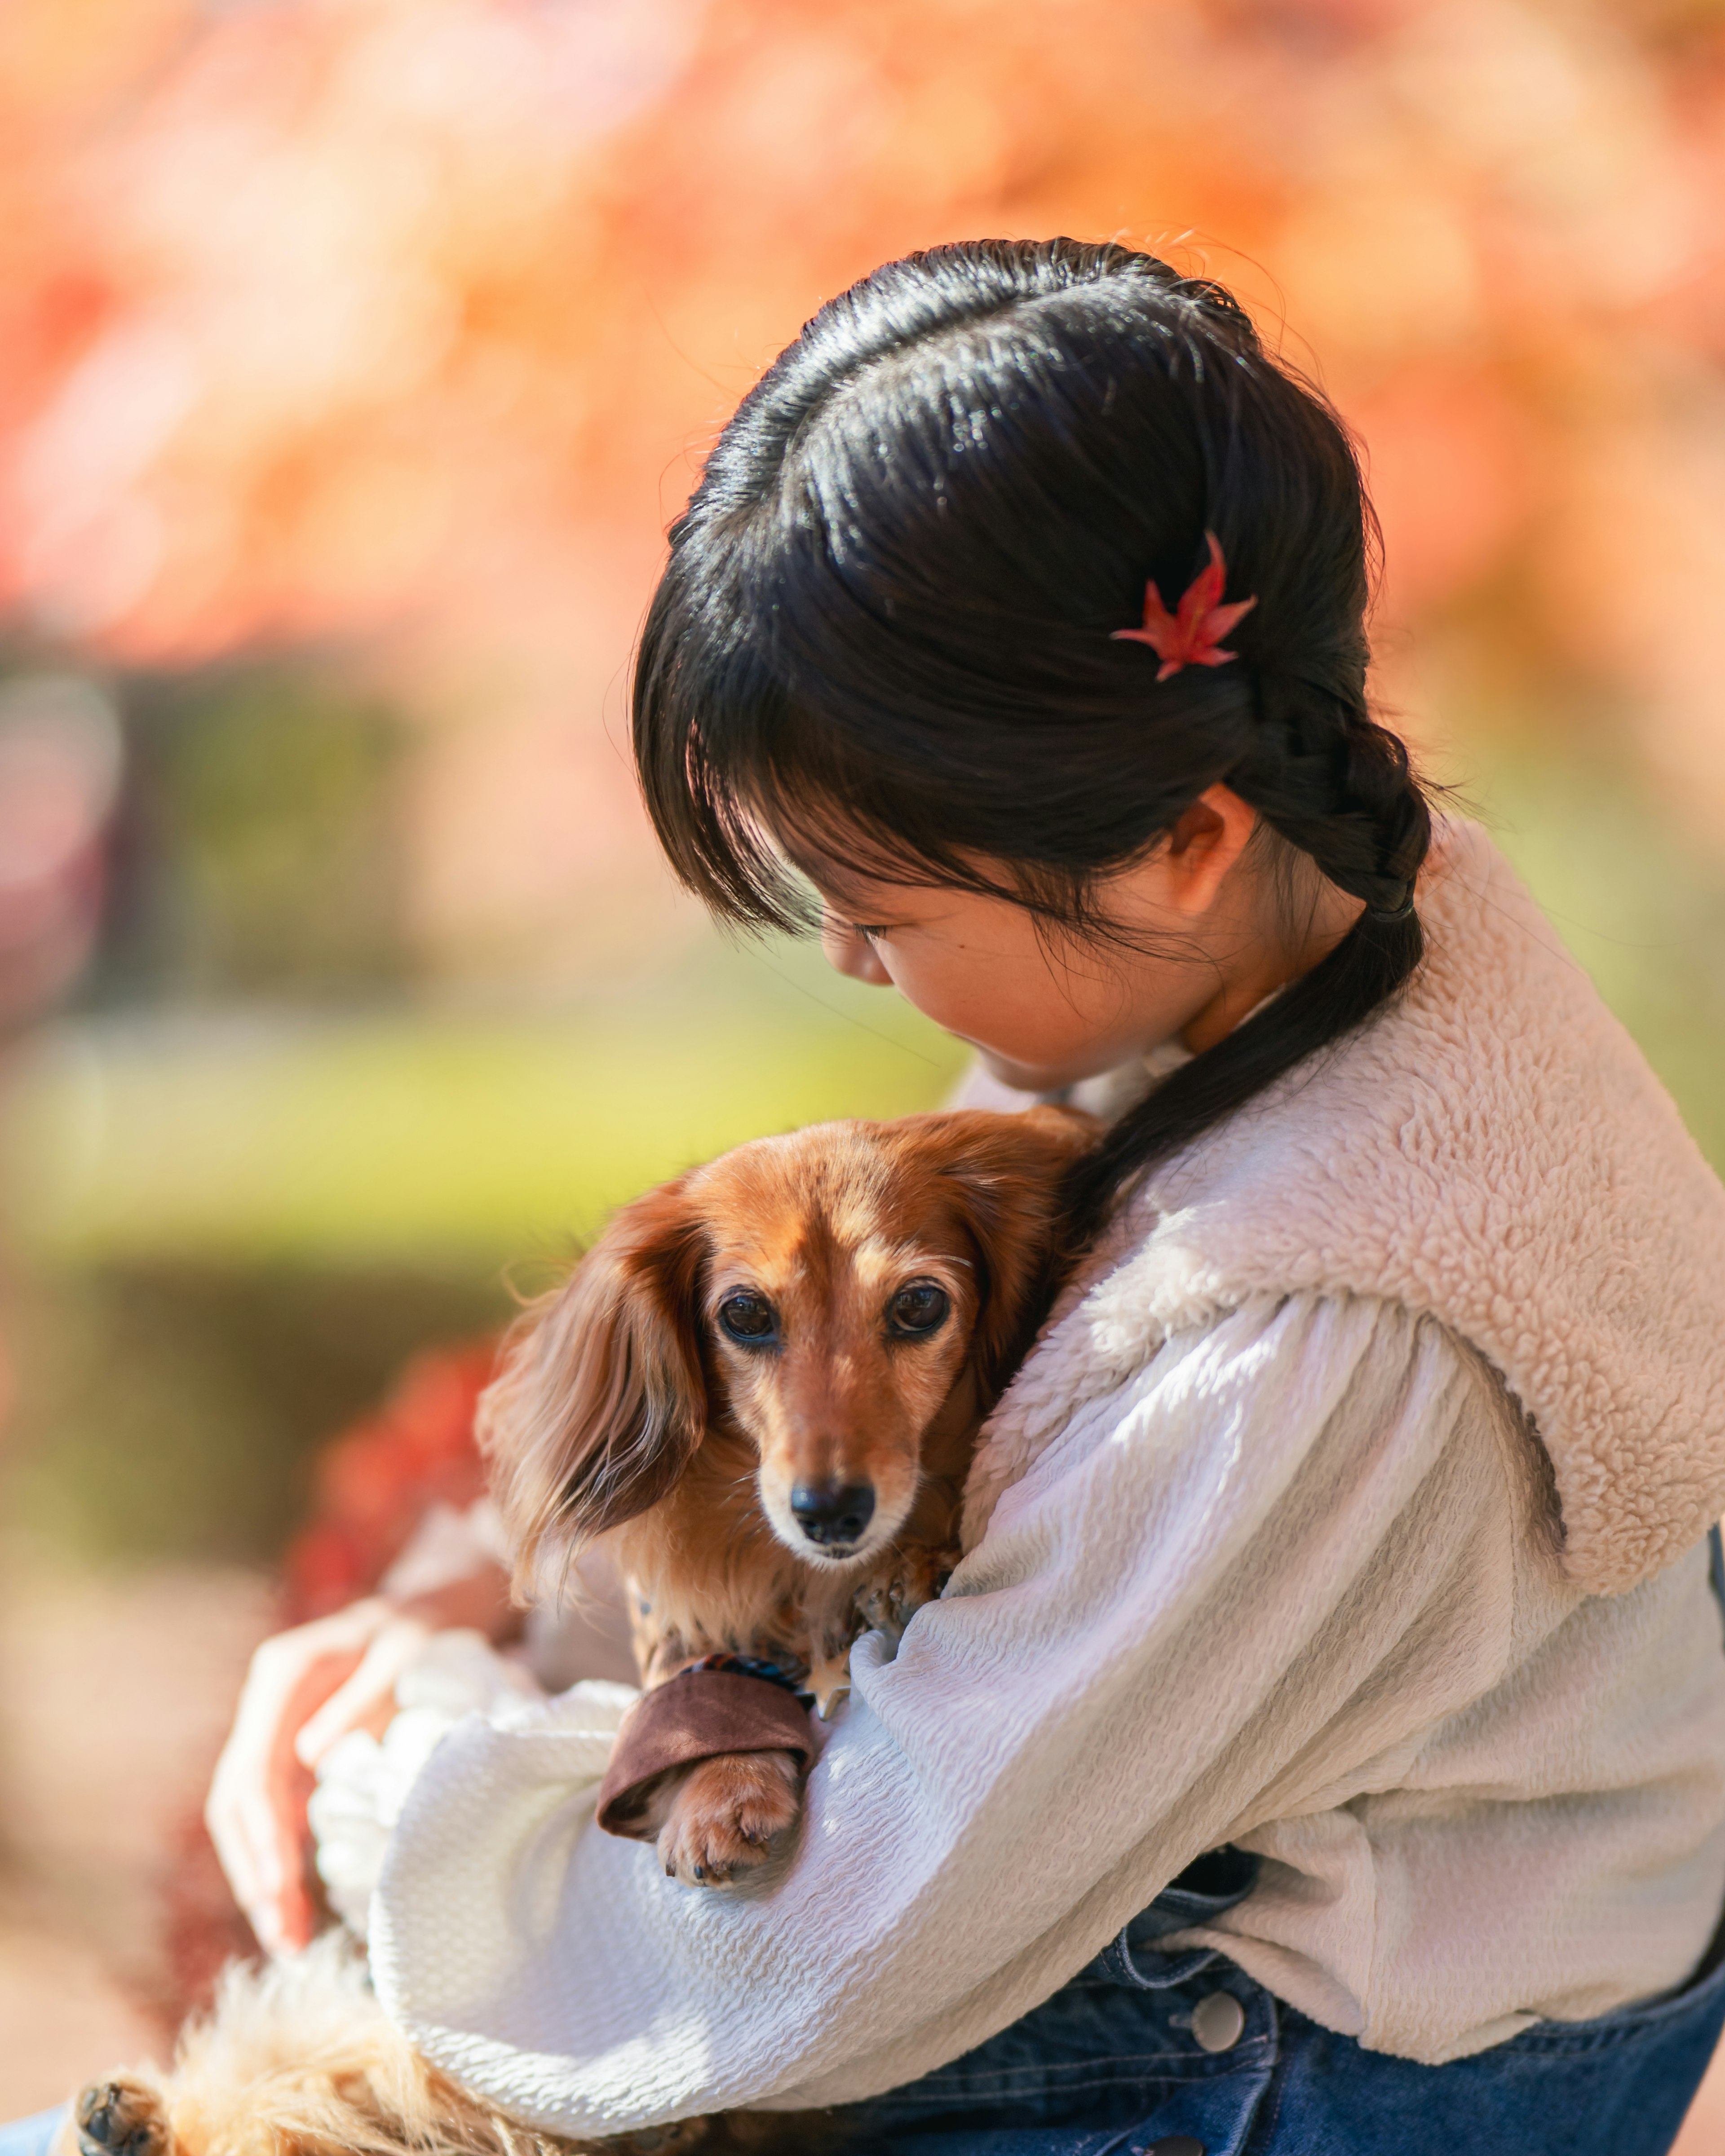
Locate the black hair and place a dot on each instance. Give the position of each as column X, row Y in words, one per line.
column 885, row 626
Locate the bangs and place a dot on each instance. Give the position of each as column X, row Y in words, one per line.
column 825, row 841
column 760, row 799
column 760, row 803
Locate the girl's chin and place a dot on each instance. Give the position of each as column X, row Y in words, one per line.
column 1040, row 1078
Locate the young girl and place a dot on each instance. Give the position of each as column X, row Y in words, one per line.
column 1322, row 1747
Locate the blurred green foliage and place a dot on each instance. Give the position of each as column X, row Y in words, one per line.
column 170, row 1410
column 1640, row 901
column 259, row 846
column 412, row 1136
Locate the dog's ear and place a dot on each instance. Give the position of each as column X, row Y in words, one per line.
column 1006, row 1175
column 600, row 1402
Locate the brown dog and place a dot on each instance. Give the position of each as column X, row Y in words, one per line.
column 763, row 1387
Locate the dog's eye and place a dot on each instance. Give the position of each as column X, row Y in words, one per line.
column 749, row 1318
column 920, row 1308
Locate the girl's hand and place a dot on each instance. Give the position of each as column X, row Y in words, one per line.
column 305, row 1688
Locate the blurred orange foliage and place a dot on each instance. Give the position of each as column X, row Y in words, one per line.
column 403, row 319
column 374, row 1482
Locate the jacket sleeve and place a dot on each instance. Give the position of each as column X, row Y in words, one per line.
column 1225, row 1591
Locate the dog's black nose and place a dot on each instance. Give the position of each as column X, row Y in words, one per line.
column 833, row 1511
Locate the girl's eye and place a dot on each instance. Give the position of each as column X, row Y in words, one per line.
column 919, row 1310
column 749, row 1318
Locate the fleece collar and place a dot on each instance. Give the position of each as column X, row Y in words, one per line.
column 1492, row 1150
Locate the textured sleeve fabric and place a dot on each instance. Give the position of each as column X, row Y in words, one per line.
column 1238, row 1586
column 700, row 1714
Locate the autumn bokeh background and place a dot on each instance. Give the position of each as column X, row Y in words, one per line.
column 353, row 356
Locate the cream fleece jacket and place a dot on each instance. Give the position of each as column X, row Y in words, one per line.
column 1263, row 1548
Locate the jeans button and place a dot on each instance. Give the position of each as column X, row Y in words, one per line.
column 1175, row 2145
column 1217, row 2021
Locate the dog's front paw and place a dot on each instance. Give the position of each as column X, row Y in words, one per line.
column 888, row 1601
column 727, row 1814
column 120, row 2117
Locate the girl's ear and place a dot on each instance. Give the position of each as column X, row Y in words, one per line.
column 600, row 1402
column 1006, row 1174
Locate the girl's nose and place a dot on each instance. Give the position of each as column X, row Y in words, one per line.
column 847, row 949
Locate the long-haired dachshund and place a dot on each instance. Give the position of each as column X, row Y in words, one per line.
column 762, row 1386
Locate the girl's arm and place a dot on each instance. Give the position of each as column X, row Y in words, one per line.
column 312, row 1685
column 1285, row 1545
column 307, row 1687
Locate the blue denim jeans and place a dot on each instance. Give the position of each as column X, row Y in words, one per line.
column 1153, row 2053
column 31, row 2136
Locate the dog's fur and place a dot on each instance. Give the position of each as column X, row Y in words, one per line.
column 623, row 1410
column 298, row 2059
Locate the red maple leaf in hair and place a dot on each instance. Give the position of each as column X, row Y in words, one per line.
column 1192, row 635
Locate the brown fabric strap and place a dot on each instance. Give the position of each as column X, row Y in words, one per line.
column 700, row 1715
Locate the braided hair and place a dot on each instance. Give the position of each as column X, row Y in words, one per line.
column 883, row 629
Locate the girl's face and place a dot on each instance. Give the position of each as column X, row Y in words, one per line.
column 1202, row 941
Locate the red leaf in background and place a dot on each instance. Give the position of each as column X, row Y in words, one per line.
column 374, row 1482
